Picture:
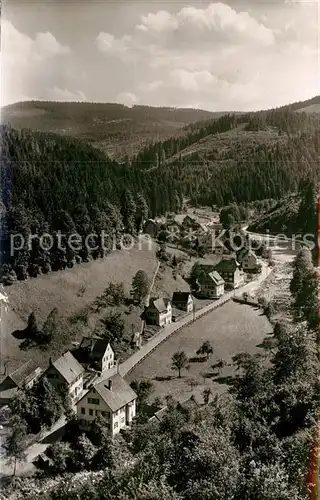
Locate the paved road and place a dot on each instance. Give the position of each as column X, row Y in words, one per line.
column 167, row 331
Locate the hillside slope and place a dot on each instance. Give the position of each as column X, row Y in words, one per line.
column 114, row 128
column 295, row 214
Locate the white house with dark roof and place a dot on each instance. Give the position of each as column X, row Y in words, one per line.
column 248, row 260
column 211, row 285
column 182, row 300
column 113, row 398
column 158, row 312
column 24, row 376
column 66, row 373
column 95, row 353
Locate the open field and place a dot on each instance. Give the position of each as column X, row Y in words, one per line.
column 70, row 291
column 231, row 328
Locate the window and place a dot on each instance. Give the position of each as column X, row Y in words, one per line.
column 93, row 401
column 103, row 413
column 90, row 412
column 122, row 420
column 97, row 413
column 83, row 411
column 115, row 425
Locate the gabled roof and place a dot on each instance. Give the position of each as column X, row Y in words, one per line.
column 204, row 227
column 227, row 266
column 216, row 278
column 24, row 374
column 181, row 297
column 160, row 304
column 68, row 367
column 94, row 346
column 119, row 395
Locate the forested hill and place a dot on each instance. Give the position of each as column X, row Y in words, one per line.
column 293, row 214
column 51, row 182
column 114, row 128
column 241, row 158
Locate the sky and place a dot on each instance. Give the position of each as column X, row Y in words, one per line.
column 220, row 56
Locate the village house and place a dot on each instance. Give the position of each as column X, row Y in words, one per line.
column 248, row 260
column 210, row 285
column 173, row 227
column 229, row 270
column 204, row 241
column 66, row 374
column 191, row 222
column 151, row 227
column 113, row 399
column 95, row 353
column 158, row 312
column 23, row 377
column 183, row 301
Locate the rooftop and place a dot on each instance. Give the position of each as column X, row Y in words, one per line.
column 215, row 276
column 120, row 394
column 25, row 373
column 160, row 304
column 180, row 297
column 68, row 367
column 227, row 266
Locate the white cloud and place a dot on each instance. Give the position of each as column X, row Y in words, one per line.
column 127, row 98
column 66, row 95
column 109, row 44
column 220, row 58
column 26, row 62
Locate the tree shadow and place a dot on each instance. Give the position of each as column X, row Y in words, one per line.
column 198, row 359
column 163, row 379
column 210, row 374
column 226, row 380
column 19, row 334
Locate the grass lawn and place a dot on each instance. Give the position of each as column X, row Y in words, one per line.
column 231, row 328
column 70, row 291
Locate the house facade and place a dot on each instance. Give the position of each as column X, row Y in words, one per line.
column 173, row 227
column 211, row 285
column 66, row 374
column 114, row 399
column 95, row 353
column 229, row 270
column 249, row 261
column 158, row 312
column 190, row 222
column 151, row 227
column 23, row 377
column 183, row 301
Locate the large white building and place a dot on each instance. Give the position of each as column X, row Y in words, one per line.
column 114, row 399
column 66, row 374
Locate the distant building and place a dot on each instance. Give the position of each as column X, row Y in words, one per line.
column 158, row 312
column 23, row 377
column 66, row 374
column 211, row 285
column 205, row 241
column 151, row 227
column 95, row 353
column 229, row 270
column 183, row 301
column 248, row 260
column 191, row 222
column 173, row 227
column 114, row 399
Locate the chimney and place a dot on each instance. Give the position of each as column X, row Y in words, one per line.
column 50, row 361
column 110, row 385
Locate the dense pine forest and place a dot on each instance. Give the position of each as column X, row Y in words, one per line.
column 53, row 183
